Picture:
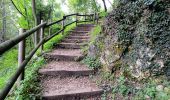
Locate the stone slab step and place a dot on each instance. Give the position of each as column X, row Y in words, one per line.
column 86, row 25
column 82, row 29
column 78, row 37
column 75, row 40
column 69, row 88
column 73, row 31
column 79, row 34
column 64, row 55
column 66, row 68
column 70, row 45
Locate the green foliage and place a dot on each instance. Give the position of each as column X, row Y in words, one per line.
column 93, row 34
column 92, row 63
column 50, row 44
column 84, row 6
column 122, row 87
column 8, row 64
column 30, row 88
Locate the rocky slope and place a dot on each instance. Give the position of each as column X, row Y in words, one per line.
column 135, row 39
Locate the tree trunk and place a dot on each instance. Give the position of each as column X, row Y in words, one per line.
column 104, row 3
column 96, row 8
column 36, row 21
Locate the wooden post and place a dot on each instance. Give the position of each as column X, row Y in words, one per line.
column 49, row 31
column 94, row 17
column 97, row 18
column 41, row 36
column 21, row 54
column 63, row 22
column 76, row 19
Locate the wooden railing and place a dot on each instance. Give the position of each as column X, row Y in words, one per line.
column 22, row 61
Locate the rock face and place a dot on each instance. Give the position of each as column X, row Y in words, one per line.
column 137, row 38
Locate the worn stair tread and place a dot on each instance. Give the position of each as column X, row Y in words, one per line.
column 78, row 37
column 79, row 34
column 74, row 31
column 70, row 45
column 86, row 25
column 66, row 52
column 65, row 68
column 62, row 88
column 75, row 40
column 65, row 43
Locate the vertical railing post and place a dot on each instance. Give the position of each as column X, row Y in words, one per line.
column 21, row 55
column 41, row 36
column 63, row 22
column 94, row 17
column 85, row 18
column 76, row 19
column 97, row 18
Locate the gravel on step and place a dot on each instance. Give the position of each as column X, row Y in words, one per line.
column 68, row 87
column 67, row 52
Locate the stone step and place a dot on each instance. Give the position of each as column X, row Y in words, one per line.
column 75, row 40
column 86, row 25
column 66, row 68
column 70, row 45
column 73, row 31
column 64, row 55
column 69, row 88
column 78, row 37
column 82, row 29
column 79, row 34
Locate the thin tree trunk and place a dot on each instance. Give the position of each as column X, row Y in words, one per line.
column 36, row 21
column 96, row 8
column 104, row 3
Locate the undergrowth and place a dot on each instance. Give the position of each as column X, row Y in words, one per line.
column 8, row 64
column 50, row 44
column 30, row 88
column 93, row 63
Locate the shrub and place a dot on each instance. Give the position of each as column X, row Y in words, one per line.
column 92, row 62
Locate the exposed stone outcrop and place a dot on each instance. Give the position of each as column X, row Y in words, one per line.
column 137, row 37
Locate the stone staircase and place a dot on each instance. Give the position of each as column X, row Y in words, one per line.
column 64, row 77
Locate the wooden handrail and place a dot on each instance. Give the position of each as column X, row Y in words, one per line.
column 11, row 43
column 50, row 24
column 11, row 82
column 85, row 15
column 5, row 46
column 70, row 15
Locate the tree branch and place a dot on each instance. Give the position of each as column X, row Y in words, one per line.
column 18, row 9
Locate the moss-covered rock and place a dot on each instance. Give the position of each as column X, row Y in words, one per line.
column 137, row 34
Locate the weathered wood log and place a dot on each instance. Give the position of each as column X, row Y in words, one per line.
column 41, row 36
column 70, row 23
column 70, row 15
column 11, row 43
column 21, row 55
column 63, row 22
column 50, row 24
column 50, row 37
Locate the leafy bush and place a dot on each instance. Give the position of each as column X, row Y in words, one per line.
column 92, row 63
column 50, row 44
column 30, row 88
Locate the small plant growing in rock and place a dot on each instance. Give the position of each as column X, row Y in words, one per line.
column 93, row 63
